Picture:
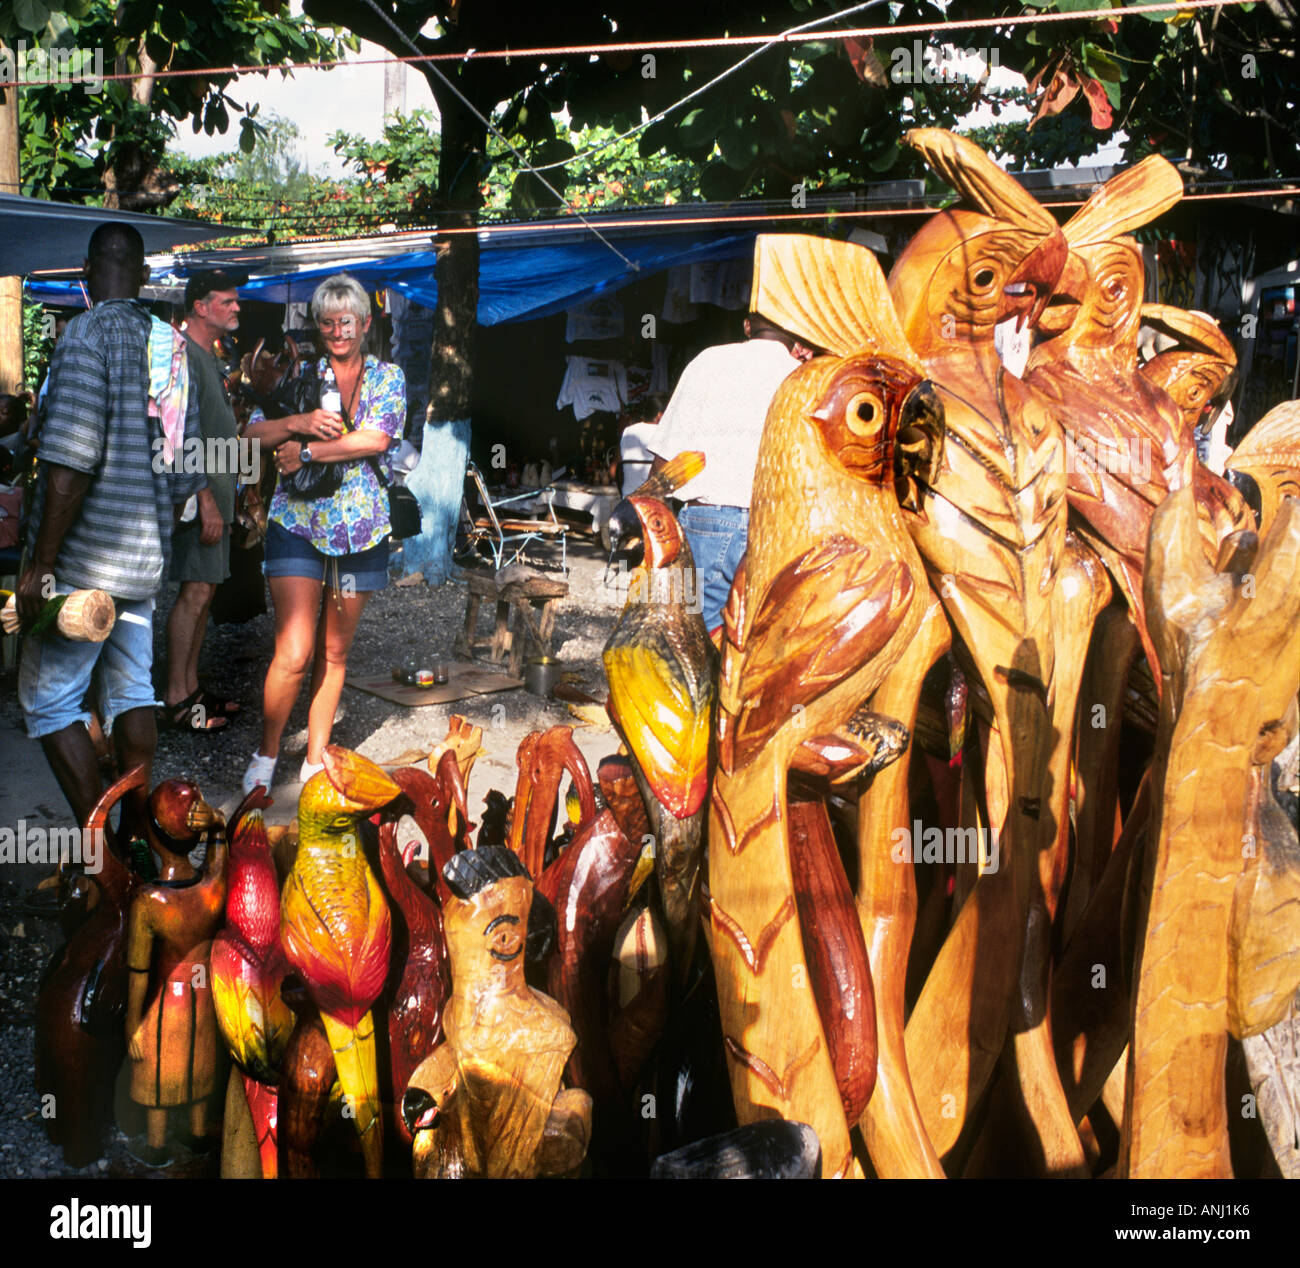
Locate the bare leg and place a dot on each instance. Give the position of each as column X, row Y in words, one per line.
column 186, row 627
column 71, row 756
column 338, row 628
column 297, row 610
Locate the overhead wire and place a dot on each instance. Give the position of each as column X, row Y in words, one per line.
column 669, row 45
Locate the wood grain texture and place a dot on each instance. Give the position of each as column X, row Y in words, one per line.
column 826, row 606
column 1270, row 455
column 81, row 1005
column 489, row 1101
column 662, row 673
column 1221, row 715
column 171, row 1022
column 892, row 1125
column 543, row 759
column 990, row 523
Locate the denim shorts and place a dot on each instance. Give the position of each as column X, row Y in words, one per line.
column 718, row 537
column 56, row 672
column 288, row 555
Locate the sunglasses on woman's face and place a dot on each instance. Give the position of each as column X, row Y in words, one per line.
column 343, row 326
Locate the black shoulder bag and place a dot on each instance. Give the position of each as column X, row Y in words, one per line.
column 323, row 479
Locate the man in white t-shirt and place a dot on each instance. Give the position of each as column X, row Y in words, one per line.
column 719, row 408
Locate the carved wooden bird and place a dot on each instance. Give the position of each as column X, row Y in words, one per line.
column 991, row 525
column 543, row 757
column 81, row 1005
column 420, row 979
column 662, row 672
column 336, row 928
column 826, row 603
column 1129, row 442
column 248, row 966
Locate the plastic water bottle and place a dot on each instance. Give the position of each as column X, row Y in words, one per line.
column 331, row 399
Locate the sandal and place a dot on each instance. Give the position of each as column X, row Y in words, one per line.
column 218, row 708
column 182, row 716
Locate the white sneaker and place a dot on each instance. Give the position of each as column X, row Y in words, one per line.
column 260, row 771
column 309, row 769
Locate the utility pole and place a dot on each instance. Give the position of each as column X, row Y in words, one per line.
column 11, row 288
column 394, row 90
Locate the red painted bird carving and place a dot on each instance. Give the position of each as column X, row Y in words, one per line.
column 248, row 965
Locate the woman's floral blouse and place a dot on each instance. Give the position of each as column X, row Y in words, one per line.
column 356, row 517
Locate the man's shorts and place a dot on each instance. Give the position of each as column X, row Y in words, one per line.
column 55, row 673
column 288, row 555
column 193, row 561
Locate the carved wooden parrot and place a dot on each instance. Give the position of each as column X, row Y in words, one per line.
column 991, row 526
column 248, row 966
column 419, row 980
column 1129, row 441
column 662, row 671
column 336, row 929
column 830, row 594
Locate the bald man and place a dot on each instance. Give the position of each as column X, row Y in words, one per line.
column 102, row 517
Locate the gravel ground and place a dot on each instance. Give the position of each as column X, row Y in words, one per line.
column 401, row 619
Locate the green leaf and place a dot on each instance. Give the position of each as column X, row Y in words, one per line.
column 247, row 139
column 720, row 183
column 1101, row 65
column 738, row 145
column 885, row 159
column 31, row 15
column 699, row 128
column 1155, row 17
column 1075, row 6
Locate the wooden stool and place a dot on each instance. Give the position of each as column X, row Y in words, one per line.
column 515, row 594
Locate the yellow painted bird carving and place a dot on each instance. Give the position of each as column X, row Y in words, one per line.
column 335, row 926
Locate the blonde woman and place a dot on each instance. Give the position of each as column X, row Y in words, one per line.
column 326, row 556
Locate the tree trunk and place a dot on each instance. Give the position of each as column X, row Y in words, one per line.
column 11, row 288
column 439, row 479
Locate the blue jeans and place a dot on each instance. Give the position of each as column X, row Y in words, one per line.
column 718, row 536
column 57, row 672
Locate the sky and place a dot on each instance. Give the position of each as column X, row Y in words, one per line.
column 320, row 102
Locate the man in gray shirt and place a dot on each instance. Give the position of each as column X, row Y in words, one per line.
column 201, row 554
column 102, row 518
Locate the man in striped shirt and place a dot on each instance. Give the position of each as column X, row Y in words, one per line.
column 103, row 512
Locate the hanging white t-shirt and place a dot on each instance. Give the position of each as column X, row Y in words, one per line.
column 590, row 385
column 725, row 283
column 719, row 408
column 677, row 296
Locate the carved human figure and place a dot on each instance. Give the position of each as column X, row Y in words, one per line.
column 171, row 1025
column 488, row 1102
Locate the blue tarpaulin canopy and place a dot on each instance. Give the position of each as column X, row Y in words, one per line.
column 521, row 281
column 518, row 280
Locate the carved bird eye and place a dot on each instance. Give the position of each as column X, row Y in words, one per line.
column 864, row 414
column 341, row 822
column 983, row 278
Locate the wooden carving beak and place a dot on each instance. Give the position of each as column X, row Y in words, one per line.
column 918, row 448
column 1029, row 289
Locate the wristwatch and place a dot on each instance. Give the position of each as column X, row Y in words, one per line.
column 304, row 454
